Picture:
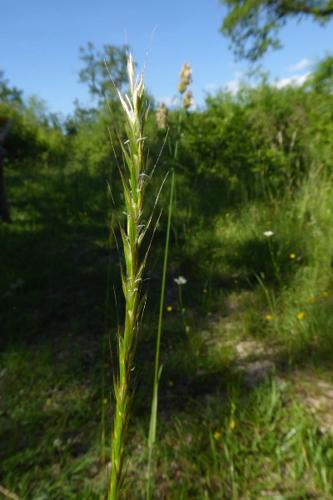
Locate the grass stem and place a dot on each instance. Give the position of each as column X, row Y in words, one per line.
column 157, row 370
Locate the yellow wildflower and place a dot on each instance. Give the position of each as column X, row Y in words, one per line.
column 292, row 256
column 268, row 317
column 300, row 315
column 232, row 424
column 169, row 309
column 217, row 435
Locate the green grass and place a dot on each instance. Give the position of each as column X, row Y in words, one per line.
column 219, row 436
column 215, row 440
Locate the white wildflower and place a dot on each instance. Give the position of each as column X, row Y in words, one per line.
column 180, row 280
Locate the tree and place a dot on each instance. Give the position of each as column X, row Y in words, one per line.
column 322, row 78
column 9, row 94
column 253, row 25
column 103, row 69
column 4, row 208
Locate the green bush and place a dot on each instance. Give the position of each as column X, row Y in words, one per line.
column 31, row 141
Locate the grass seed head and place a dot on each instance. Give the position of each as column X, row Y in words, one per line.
column 188, row 99
column 185, row 78
column 161, row 116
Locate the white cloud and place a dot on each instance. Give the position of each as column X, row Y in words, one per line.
column 294, row 80
column 233, row 86
column 302, row 64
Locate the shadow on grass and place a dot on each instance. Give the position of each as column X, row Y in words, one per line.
column 267, row 258
column 54, row 266
column 55, row 257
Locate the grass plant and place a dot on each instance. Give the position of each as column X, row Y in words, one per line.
column 157, row 367
column 134, row 179
column 161, row 119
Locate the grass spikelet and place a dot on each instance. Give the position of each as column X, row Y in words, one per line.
column 135, row 111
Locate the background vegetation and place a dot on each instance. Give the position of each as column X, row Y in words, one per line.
column 246, row 389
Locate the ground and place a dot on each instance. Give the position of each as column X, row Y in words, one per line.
column 246, row 396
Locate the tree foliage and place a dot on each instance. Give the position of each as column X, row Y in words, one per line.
column 253, row 25
column 8, row 93
column 322, row 78
column 103, row 69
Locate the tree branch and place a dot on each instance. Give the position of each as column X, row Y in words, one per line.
column 295, row 7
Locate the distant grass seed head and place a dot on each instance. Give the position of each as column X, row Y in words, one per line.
column 188, row 99
column 185, row 78
column 162, row 116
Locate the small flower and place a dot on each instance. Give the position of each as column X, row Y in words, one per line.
column 268, row 317
column 169, row 309
column 292, row 256
column 300, row 315
column 217, row 435
column 268, row 234
column 57, row 443
column 232, row 424
column 180, row 280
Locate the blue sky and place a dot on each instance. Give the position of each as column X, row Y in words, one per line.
column 40, row 40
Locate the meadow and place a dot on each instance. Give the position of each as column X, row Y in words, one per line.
column 246, row 389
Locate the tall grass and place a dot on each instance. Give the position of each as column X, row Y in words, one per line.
column 133, row 182
column 186, row 97
column 157, row 368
